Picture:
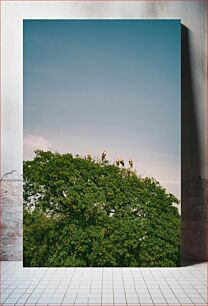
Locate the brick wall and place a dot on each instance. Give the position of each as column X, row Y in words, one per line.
column 11, row 220
column 194, row 225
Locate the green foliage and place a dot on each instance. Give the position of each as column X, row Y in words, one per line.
column 82, row 212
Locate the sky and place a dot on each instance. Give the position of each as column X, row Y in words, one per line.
column 106, row 85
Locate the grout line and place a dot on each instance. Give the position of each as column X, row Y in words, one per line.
column 147, row 287
column 135, row 286
column 123, row 284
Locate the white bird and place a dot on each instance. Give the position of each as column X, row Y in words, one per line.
column 122, row 163
column 103, row 156
column 131, row 163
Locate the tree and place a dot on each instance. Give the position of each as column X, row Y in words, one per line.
column 83, row 212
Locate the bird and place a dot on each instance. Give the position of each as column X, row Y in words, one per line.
column 103, row 156
column 131, row 163
column 117, row 162
column 122, row 163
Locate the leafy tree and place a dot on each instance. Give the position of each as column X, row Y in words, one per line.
column 85, row 212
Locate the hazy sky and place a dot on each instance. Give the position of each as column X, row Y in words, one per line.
column 113, row 85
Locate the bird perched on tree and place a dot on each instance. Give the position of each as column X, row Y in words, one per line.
column 103, row 156
column 122, row 163
column 131, row 163
column 117, row 162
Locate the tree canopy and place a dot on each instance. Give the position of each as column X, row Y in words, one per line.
column 79, row 211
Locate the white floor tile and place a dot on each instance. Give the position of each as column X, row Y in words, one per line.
column 95, row 295
column 107, row 300
column 94, row 301
column 132, row 300
column 69, row 300
column 145, row 301
column 119, row 301
column 81, row 301
column 131, row 295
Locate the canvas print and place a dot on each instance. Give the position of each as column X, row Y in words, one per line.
column 102, row 140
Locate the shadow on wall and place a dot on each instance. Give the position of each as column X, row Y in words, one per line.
column 193, row 208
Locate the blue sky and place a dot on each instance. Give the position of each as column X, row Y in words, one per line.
column 113, row 85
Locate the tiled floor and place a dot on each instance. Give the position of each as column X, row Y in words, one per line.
column 103, row 286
